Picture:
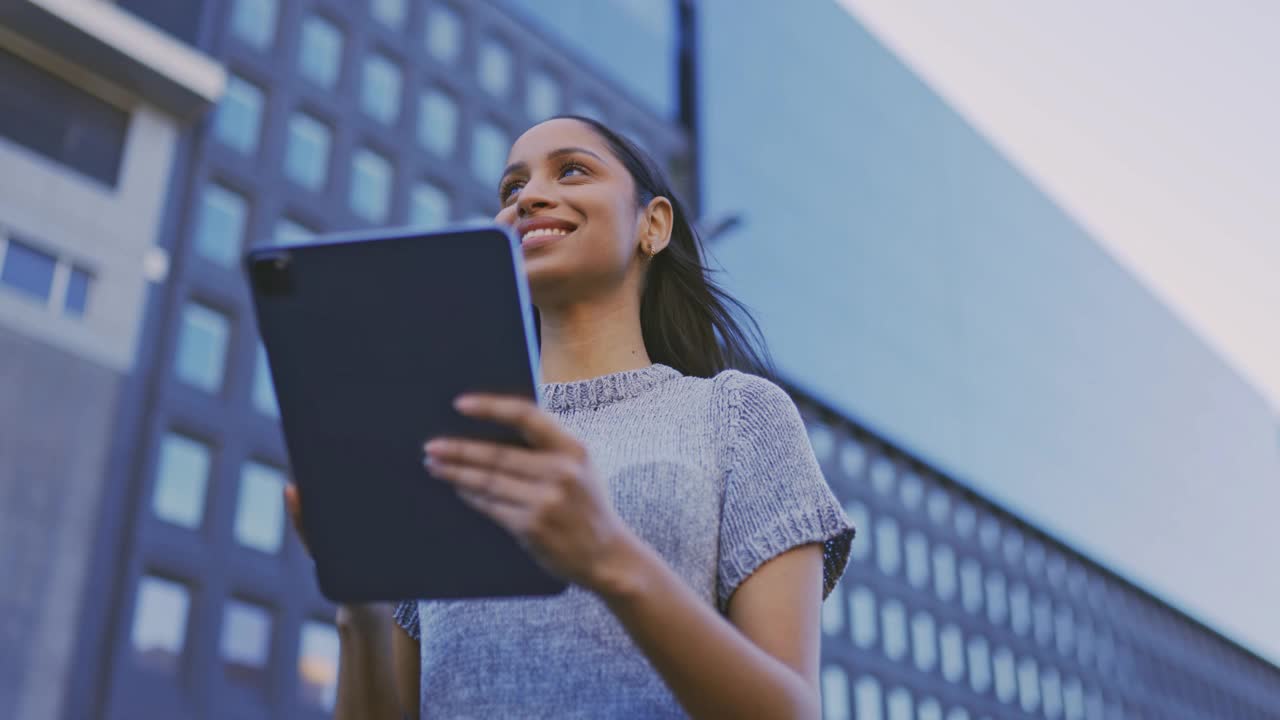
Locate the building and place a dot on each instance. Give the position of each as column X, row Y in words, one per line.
column 155, row 576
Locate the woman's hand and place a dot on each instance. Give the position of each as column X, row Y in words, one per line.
column 293, row 506
column 548, row 496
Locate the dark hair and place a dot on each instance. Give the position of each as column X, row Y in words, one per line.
column 687, row 320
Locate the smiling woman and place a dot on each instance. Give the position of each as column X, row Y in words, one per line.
column 666, row 479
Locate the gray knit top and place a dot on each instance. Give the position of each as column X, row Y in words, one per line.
column 717, row 474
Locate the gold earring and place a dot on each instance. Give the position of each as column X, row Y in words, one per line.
column 652, row 252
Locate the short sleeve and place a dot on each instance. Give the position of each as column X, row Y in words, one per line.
column 775, row 496
column 406, row 616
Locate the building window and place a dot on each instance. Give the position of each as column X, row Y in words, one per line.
column 1006, row 678
column 1073, row 699
column 254, row 22
column 494, row 68
column 899, row 702
column 923, row 643
column 159, row 623
column 1042, row 613
column 911, row 491
column 182, row 475
column 883, row 476
column 853, row 459
column 220, row 225
column 997, row 607
column 951, row 645
column 860, row 549
column 389, row 12
column 542, row 96
column 202, row 347
column 264, row 391
column 1028, row 685
column 1063, row 629
column 77, row 299
column 888, row 554
column 917, row 550
column 318, row 665
column 1051, row 688
column 1020, row 608
column 929, row 709
column 938, row 506
column 821, row 438
column 437, row 122
column 979, row 665
column 259, row 522
column 370, row 196
column 380, row 89
column 306, row 155
column 833, row 612
column 1012, row 547
column 862, row 614
column 944, row 572
column 246, row 643
column 893, row 625
column 52, row 117
column 488, row 154
column 290, row 231
column 966, row 520
column 238, row 120
column 428, row 206
column 444, row 33
column 320, row 52
column 971, row 585
column 27, row 270
column 957, row 713
column 866, row 698
column 835, row 693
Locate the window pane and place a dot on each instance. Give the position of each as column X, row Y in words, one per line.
column 320, row 52
column 1020, row 608
column 900, row 704
column 979, row 665
column 220, row 227
column 939, row 506
column 259, row 522
column 237, row 122
column 958, row 714
column 444, row 33
column 929, row 709
column 543, row 98
column 437, row 122
column 1043, row 614
column 1028, row 685
column 488, row 154
column 77, row 298
column 835, row 693
column 389, row 12
column 917, row 559
column 428, row 206
column 996, row 600
column 264, row 391
column 28, row 270
column 1006, row 680
column 370, row 195
column 883, row 476
column 318, row 665
column 860, row 549
column 306, row 157
column 971, row 585
column 853, row 459
column 893, row 620
column 254, row 22
column 202, row 347
column 862, row 613
column 923, row 643
column 965, row 519
column 951, row 643
column 380, row 89
column 833, row 612
column 159, row 623
column 911, row 491
column 494, row 68
column 182, row 474
column 866, row 695
column 888, row 554
column 288, row 231
column 246, row 642
column 944, row 572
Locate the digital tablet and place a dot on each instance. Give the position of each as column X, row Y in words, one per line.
column 370, row 336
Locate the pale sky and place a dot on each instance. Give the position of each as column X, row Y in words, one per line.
column 1155, row 123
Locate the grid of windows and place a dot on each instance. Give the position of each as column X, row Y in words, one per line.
column 973, row 616
column 31, row 273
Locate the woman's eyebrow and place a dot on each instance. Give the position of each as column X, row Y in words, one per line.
column 553, row 154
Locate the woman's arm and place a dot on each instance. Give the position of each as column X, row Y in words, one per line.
column 371, row 665
column 761, row 662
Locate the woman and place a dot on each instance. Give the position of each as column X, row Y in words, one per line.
column 680, row 499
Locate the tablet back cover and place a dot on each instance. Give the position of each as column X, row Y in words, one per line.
column 369, row 339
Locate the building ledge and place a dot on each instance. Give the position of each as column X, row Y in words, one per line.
column 122, row 49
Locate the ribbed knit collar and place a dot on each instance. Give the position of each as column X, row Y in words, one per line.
column 604, row 389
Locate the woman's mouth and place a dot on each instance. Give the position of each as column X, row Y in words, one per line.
column 541, row 236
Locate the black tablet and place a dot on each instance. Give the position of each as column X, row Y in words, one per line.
column 369, row 337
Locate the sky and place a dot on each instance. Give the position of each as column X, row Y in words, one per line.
column 1152, row 122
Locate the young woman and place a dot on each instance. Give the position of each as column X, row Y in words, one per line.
column 680, row 498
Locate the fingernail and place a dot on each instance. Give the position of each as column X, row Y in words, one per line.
column 462, row 402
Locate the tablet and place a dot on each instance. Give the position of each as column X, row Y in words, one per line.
column 369, row 337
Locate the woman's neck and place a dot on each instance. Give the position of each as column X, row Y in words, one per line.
column 589, row 340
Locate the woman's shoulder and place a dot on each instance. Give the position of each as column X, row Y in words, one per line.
column 743, row 396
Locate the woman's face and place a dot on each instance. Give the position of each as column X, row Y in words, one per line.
column 573, row 205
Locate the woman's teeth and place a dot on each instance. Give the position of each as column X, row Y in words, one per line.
column 545, row 231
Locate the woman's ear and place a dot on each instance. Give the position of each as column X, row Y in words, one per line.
column 656, row 229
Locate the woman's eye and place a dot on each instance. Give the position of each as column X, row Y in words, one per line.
column 570, row 168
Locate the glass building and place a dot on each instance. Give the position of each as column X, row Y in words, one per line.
column 150, row 571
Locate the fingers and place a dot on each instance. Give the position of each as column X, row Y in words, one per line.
column 498, row 456
column 537, row 426
column 494, row 484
